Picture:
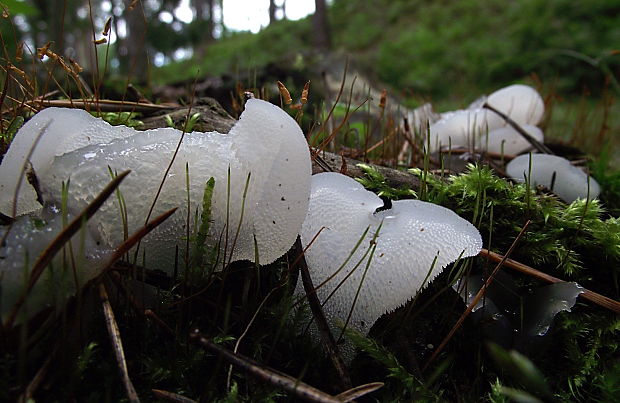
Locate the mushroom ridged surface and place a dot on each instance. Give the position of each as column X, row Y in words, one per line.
column 409, row 236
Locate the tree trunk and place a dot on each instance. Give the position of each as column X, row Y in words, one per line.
column 272, row 11
column 51, row 17
column 320, row 25
column 134, row 54
column 205, row 10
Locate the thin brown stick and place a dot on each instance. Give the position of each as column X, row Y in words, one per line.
column 272, row 376
column 105, row 105
column 591, row 296
column 5, row 87
column 137, row 306
column 171, row 397
column 359, row 391
column 117, row 344
column 476, row 299
column 321, row 322
column 159, row 322
column 36, row 381
column 331, row 111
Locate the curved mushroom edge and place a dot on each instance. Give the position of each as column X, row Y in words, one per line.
column 392, row 253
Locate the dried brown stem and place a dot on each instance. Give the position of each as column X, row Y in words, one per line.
column 27, row 396
column 171, row 397
column 535, row 143
column 592, row 296
column 117, row 344
column 104, row 105
column 272, row 376
column 359, row 391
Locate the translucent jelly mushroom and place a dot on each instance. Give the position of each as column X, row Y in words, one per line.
column 28, row 237
column 521, row 103
column 50, row 133
column 464, row 128
column 401, row 249
column 262, row 182
column 506, row 140
column 556, row 174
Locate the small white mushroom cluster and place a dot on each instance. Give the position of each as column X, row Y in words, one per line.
column 262, row 184
column 555, row 173
column 479, row 127
column 372, row 262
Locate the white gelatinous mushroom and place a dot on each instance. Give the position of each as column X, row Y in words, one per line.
column 28, row 237
column 462, row 128
column 555, row 173
column 265, row 150
column 465, row 128
column 50, row 133
column 393, row 259
column 521, row 103
column 507, row 140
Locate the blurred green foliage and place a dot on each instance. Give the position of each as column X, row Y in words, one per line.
column 241, row 52
column 437, row 47
column 441, row 48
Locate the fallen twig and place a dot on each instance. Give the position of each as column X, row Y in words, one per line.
column 105, row 105
column 359, row 391
column 36, row 381
column 274, row 377
column 171, row 397
column 117, row 344
column 592, row 296
column 535, row 143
